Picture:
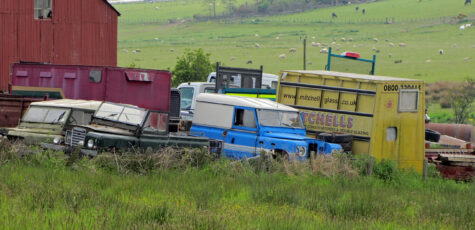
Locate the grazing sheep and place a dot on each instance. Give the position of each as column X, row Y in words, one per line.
column 292, row 50
column 172, row 50
column 342, row 39
column 156, row 39
column 333, row 43
column 276, row 38
column 316, row 44
column 441, row 51
column 138, row 50
column 324, row 44
column 334, row 15
column 374, row 49
column 351, row 39
column 232, row 58
column 462, row 27
column 391, row 44
column 402, row 44
column 454, row 45
column 466, row 59
column 257, row 45
column 257, row 35
column 309, row 63
column 282, row 56
column 398, row 61
column 375, row 39
column 428, row 61
column 156, row 8
column 473, row 46
column 125, row 51
column 249, row 62
column 324, row 51
column 313, row 37
column 468, row 25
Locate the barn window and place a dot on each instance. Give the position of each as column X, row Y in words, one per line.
column 95, row 76
column 43, row 9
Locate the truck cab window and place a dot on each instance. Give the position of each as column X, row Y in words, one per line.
column 43, row 9
column 244, row 118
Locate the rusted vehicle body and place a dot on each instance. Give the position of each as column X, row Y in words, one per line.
column 49, row 120
column 120, row 126
column 12, row 108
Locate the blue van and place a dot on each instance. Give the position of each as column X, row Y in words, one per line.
column 250, row 126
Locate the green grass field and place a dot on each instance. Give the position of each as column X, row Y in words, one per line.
column 48, row 190
column 425, row 27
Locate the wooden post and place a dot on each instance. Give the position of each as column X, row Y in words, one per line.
column 424, row 170
column 370, row 166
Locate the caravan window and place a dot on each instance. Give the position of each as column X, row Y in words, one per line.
column 408, row 100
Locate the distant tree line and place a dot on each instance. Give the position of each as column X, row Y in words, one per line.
column 268, row 7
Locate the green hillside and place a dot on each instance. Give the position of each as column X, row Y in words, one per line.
column 425, row 27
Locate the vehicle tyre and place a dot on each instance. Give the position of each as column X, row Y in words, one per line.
column 432, row 135
column 336, row 137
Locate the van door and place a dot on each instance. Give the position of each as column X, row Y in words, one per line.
column 240, row 140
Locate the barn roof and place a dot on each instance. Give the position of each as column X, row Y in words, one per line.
column 108, row 3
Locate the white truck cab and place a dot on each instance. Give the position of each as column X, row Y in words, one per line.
column 189, row 92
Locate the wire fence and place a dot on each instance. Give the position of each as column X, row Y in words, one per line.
column 286, row 20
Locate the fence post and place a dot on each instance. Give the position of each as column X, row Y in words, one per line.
column 370, row 166
column 424, row 170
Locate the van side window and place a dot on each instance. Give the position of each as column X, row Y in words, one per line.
column 245, row 118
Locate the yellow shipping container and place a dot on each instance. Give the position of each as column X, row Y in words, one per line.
column 385, row 115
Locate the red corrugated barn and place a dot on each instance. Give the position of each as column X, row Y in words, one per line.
column 82, row 32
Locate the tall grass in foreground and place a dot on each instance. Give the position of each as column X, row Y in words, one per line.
column 193, row 190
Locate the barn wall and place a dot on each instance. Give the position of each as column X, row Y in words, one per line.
column 81, row 32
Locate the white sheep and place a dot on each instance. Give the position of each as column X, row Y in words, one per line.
column 342, row 39
column 324, row 44
column 454, row 45
column 374, row 48
column 313, row 37
column 462, row 27
column 324, row 51
column 156, row 39
column 172, row 50
column 316, row 44
column 350, row 39
column 441, row 51
column 402, row 44
column 391, row 44
column 468, row 25
column 466, row 59
column 156, row 8
column 276, row 38
column 333, row 43
column 428, row 61
column 292, row 50
column 257, row 35
column 257, row 45
column 282, row 56
column 375, row 39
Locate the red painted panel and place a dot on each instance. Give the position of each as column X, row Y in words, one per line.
column 121, row 85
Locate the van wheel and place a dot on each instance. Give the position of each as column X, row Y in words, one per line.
column 432, row 135
column 281, row 155
column 335, row 137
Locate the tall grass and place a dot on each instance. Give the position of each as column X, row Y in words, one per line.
column 46, row 190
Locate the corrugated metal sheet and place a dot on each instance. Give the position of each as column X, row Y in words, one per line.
column 12, row 109
column 81, row 32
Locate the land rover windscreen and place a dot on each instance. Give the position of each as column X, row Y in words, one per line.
column 280, row 119
column 48, row 120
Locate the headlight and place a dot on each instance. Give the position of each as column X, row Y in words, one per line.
column 301, row 150
column 57, row 140
column 81, row 143
column 90, row 143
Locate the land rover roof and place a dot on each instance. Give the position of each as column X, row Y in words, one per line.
column 349, row 75
column 257, row 103
column 70, row 103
